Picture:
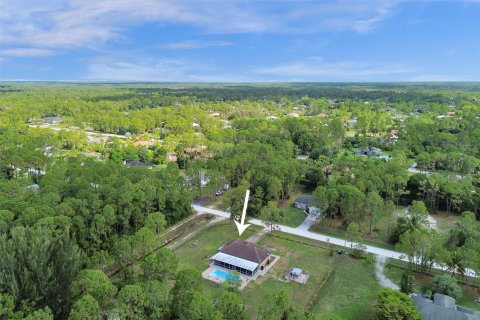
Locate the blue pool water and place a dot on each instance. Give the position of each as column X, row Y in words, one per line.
column 224, row 275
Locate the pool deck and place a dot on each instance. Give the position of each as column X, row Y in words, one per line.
column 245, row 279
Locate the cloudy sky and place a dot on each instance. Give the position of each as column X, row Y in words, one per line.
column 235, row 41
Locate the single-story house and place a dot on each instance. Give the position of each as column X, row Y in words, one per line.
column 369, row 152
column 172, row 156
column 34, row 187
column 442, row 307
column 305, row 203
column 52, row 120
column 242, row 256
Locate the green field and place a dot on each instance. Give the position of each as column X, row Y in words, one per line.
column 351, row 292
column 293, row 217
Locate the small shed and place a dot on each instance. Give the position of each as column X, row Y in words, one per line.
column 296, row 272
column 297, row 275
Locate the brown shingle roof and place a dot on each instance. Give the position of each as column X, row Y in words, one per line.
column 245, row 250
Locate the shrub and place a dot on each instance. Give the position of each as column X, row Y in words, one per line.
column 393, row 304
column 406, row 282
column 446, row 284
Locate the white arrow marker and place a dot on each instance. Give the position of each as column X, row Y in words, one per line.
column 240, row 225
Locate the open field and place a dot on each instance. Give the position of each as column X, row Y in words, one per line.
column 351, row 292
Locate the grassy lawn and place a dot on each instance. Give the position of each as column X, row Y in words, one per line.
column 445, row 222
column 315, row 261
column 341, row 234
column 293, row 216
column 351, row 292
column 196, row 252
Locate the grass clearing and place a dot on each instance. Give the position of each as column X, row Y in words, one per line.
column 351, row 292
column 341, row 234
column 293, row 217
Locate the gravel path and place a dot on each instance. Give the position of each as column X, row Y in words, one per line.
column 380, row 274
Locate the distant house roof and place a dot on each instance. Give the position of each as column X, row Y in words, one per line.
column 35, row 187
column 305, row 199
column 443, row 308
column 138, row 163
column 369, row 151
column 52, row 119
column 245, row 250
column 142, row 143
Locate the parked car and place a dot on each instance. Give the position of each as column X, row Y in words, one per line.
column 219, row 193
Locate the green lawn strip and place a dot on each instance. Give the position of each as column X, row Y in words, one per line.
column 351, row 292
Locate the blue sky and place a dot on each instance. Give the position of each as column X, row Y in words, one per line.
column 236, row 41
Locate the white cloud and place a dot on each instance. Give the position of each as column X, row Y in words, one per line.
column 381, row 13
column 318, row 70
column 86, row 23
column 111, row 69
column 27, row 52
column 196, row 44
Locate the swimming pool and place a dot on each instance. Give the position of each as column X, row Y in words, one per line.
column 223, row 275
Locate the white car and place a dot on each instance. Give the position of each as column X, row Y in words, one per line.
column 219, row 193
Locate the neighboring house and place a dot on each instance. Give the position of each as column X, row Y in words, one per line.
column 369, row 152
column 242, row 256
column 172, row 156
column 34, row 187
column 443, row 308
column 394, row 134
column 52, row 120
column 138, row 163
column 142, row 143
column 35, row 171
column 305, row 203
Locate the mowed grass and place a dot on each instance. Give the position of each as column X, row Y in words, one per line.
column 315, row 261
column 196, row 252
column 351, row 292
column 342, row 234
column 293, row 217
